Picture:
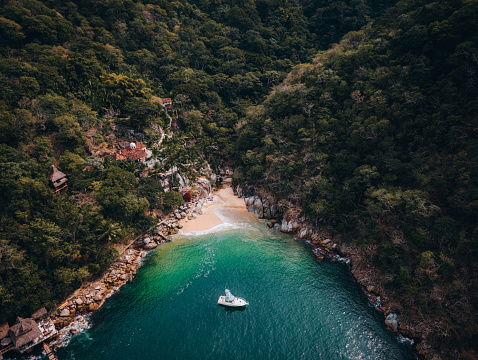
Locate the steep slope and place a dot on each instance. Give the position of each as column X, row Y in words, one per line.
column 377, row 139
column 68, row 69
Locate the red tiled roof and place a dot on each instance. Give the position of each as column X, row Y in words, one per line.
column 118, row 156
column 136, row 155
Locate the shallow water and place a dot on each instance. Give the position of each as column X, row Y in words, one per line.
column 299, row 309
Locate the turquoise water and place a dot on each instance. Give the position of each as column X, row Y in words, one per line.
column 299, row 309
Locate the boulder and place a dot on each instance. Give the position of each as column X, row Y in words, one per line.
column 151, row 245
column 146, row 240
column 283, row 226
column 371, row 288
column 249, row 201
column 258, row 210
column 79, row 301
column 391, row 322
column 65, row 312
column 198, row 208
column 303, row 233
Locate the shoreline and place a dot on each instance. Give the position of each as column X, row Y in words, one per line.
column 207, row 218
column 203, row 219
column 71, row 317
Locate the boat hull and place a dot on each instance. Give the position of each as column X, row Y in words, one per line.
column 237, row 302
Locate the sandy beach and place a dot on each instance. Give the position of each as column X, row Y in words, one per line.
column 223, row 198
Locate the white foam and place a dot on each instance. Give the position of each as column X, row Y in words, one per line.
column 214, row 229
column 403, row 340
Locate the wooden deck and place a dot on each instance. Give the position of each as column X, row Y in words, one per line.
column 5, row 349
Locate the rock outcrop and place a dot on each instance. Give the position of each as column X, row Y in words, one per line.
column 325, row 244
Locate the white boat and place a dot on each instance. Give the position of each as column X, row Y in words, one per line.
column 231, row 300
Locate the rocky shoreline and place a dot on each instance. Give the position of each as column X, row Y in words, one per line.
column 71, row 316
column 328, row 245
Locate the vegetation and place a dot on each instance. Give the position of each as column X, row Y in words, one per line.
column 68, row 67
column 376, row 139
column 373, row 137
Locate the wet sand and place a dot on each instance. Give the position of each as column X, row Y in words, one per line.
column 223, row 198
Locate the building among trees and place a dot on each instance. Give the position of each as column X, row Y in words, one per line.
column 24, row 333
column 58, row 179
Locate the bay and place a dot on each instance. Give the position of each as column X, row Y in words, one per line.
column 299, row 309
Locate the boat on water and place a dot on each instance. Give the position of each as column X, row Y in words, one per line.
column 231, row 300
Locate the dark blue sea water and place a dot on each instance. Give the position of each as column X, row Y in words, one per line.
column 299, row 309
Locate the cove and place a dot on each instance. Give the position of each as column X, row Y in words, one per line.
column 299, row 309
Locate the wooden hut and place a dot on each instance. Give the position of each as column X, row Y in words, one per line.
column 39, row 314
column 24, row 332
column 58, row 179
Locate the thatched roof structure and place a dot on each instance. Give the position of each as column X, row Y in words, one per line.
column 4, row 330
column 58, row 179
column 56, row 175
column 24, row 331
column 39, row 313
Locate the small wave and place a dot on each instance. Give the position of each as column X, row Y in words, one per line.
column 404, row 340
column 79, row 325
column 214, row 229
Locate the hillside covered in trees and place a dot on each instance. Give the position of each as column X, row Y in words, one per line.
column 376, row 139
column 362, row 113
column 76, row 75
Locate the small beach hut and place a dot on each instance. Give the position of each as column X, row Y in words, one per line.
column 24, row 332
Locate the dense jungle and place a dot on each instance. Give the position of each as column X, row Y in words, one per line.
column 361, row 114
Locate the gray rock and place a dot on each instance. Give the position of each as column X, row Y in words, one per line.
column 79, row 301
column 65, row 312
column 391, row 321
column 249, row 201
column 258, row 206
column 151, row 245
column 146, row 241
column 283, row 226
column 393, row 324
column 273, row 210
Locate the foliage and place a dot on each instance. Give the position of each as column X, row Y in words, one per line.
column 376, row 139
